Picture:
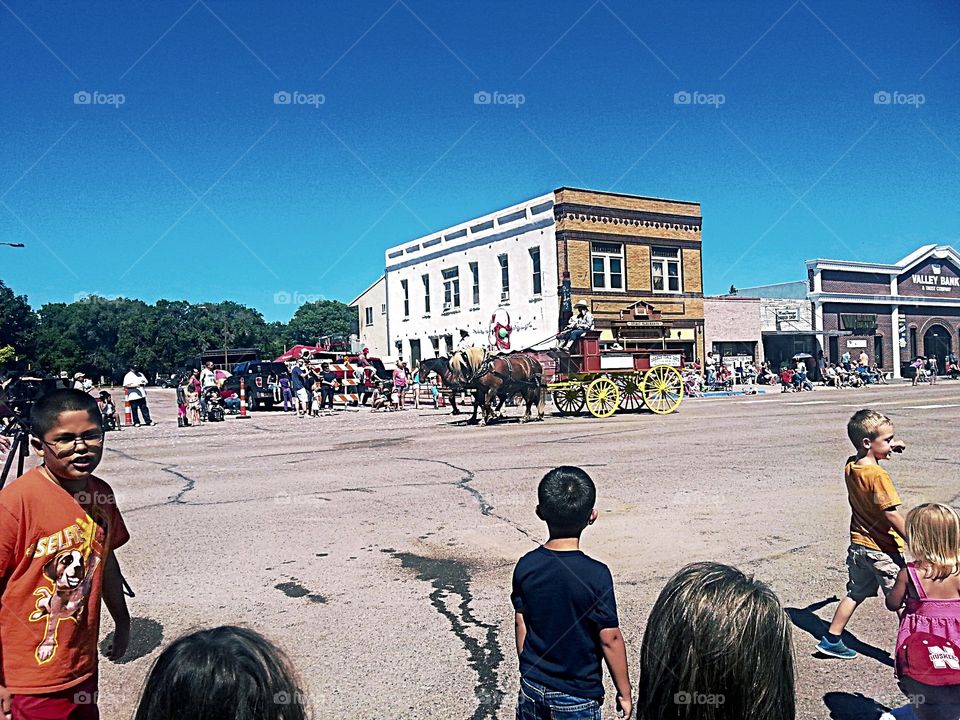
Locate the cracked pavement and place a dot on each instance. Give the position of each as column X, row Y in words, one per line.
column 377, row 549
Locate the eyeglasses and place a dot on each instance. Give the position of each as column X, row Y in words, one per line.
column 64, row 445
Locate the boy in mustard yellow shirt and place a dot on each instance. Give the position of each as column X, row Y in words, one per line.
column 875, row 555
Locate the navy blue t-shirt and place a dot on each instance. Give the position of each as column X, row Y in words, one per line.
column 297, row 378
column 566, row 599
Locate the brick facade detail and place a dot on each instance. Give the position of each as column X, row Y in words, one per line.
column 841, row 281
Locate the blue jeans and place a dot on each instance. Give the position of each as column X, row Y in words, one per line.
column 535, row 702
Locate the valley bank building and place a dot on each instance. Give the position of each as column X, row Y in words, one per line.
column 893, row 312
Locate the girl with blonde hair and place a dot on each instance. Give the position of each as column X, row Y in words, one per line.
column 928, row 592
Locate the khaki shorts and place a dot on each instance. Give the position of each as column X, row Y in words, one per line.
column 871, row 570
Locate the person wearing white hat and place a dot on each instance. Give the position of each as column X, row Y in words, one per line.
column 78, row 381
column 579, row 323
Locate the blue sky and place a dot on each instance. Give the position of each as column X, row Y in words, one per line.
column 199, row 186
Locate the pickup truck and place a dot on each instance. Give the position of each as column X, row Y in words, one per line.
column 260, row 378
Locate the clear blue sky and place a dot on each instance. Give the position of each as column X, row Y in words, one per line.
column 799, row 161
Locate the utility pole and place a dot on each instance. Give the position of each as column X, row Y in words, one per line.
column 226, row 339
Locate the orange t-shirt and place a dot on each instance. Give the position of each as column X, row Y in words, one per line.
column 53, row 546
column 871, row 491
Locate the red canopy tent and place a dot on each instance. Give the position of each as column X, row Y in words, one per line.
column 297, row 351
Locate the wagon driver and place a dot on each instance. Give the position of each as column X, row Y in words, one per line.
column 579, row 323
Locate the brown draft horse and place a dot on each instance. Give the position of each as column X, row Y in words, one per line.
column 513, row 374
column 490, row 377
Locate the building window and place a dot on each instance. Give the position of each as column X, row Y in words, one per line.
column 426, row 294
column 606, row 260
column 475, row 274
column 504, row 277
column 535, row 268
column 435, row 342
column 913, row 343
column 448, row 344
column 878, row 350
column 665, row 267
column 368, row 316
column 406, row 298
column 451, row 288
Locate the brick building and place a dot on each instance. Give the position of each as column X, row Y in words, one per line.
column 893, row 312
column 732, row 328
column 655, row 241
column 616, row 249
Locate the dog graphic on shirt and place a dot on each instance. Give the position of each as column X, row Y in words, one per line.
column 72, row 577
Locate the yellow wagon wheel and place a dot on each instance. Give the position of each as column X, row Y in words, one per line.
column 569, row 400
column 629, row 386
column 662, row 389
column 602, row 397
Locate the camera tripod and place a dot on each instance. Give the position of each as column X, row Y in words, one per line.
column 19, row 448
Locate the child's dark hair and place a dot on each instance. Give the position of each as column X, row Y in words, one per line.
column 46, row 411
column 227, row 673
column 717, row 644
column 566, row 497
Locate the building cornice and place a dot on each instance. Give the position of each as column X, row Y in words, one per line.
column 646, row 218
column 614, row 217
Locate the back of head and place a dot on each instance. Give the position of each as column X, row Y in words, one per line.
column 865, row 425
column 43, row 416
column 934, row 538
column 565, row 499
column 227, row 673
column 717, row 645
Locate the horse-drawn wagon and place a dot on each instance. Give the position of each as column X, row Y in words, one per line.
column 623, row 373
column 604, row 381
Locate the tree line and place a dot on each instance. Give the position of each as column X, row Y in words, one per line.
column 104, row 336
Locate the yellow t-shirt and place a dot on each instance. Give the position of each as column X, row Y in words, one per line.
column 871, row 491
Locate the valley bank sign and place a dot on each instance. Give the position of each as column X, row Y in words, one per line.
column 937, row 282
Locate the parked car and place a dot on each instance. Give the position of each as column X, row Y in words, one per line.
column 260, row 378
column 169, row 380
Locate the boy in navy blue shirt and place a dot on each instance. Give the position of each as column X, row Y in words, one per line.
column 566, row 613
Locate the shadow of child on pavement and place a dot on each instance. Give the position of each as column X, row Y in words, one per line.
column 849, row 706
column 806, row 620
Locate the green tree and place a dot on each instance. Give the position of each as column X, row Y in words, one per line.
column 18, row 324
column 317, row 319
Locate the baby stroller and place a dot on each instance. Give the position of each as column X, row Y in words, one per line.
column 215, row 411
column 108, row 412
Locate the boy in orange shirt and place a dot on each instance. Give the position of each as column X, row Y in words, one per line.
column 59, row 526
column 877, row 529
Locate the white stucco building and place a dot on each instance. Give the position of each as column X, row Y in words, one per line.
column 460, row 277
column 371, row 307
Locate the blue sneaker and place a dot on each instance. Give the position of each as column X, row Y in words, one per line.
column 837, row 649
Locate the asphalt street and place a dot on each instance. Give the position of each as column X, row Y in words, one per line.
column 377, row 549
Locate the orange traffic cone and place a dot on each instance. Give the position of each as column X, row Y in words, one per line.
column 243, row 402
column 127, row 414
